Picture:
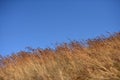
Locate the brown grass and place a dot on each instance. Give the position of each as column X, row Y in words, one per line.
column 99, row 59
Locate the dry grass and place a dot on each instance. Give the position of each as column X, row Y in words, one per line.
column 99, row 60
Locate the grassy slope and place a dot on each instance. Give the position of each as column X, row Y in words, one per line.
column 99, row 60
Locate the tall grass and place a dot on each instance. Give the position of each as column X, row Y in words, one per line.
column 99, row 60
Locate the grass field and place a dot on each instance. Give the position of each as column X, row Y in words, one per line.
column 96, row 59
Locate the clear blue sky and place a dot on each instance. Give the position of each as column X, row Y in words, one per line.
column 43, row 23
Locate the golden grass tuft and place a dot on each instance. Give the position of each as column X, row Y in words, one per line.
column 98, row 59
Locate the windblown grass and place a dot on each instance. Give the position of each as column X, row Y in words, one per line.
column 99, row 60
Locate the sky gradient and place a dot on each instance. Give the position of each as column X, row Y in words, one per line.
column 43, row 23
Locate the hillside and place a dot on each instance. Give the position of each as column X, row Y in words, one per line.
column 97, row 59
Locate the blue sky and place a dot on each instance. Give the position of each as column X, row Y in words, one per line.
column 43, row 23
